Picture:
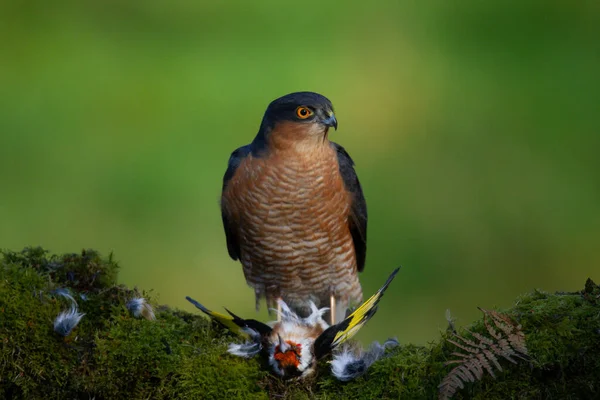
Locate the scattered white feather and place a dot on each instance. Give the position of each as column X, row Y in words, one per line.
column 139, row 307
column 65, row 293
column 67, row 320
column 348, row 364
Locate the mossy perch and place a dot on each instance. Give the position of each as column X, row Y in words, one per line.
column 112, row 355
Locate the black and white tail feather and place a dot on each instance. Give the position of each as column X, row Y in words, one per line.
column 249, row 348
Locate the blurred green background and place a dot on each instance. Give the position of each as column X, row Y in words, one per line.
column 474, row 126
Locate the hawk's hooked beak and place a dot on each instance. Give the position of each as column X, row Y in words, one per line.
column 330, row 120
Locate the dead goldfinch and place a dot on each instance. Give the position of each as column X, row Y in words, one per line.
column 293, row 345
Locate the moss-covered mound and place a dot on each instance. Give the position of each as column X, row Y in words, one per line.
column 111, row 354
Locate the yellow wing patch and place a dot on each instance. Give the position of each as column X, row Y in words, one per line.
column 361, row 315
column 225, row 320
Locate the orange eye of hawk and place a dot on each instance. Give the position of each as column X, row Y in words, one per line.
column 303, row 112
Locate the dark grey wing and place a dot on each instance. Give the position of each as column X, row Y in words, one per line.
column 358, row 212
column 233, row 244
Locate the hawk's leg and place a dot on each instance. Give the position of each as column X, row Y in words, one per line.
column 273, row 295
column 332, row 308
column 278, row 310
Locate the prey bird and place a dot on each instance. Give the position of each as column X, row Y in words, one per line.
column 294, row 212
column 293, row 345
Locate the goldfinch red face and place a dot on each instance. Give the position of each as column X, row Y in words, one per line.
column 290, row 352
column 287, row 357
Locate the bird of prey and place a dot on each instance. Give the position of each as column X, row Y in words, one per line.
column 294, row 212
column 294, row 345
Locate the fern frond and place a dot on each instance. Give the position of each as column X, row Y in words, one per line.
column 480, row 352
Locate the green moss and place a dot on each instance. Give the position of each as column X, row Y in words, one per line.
column 112, row 355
